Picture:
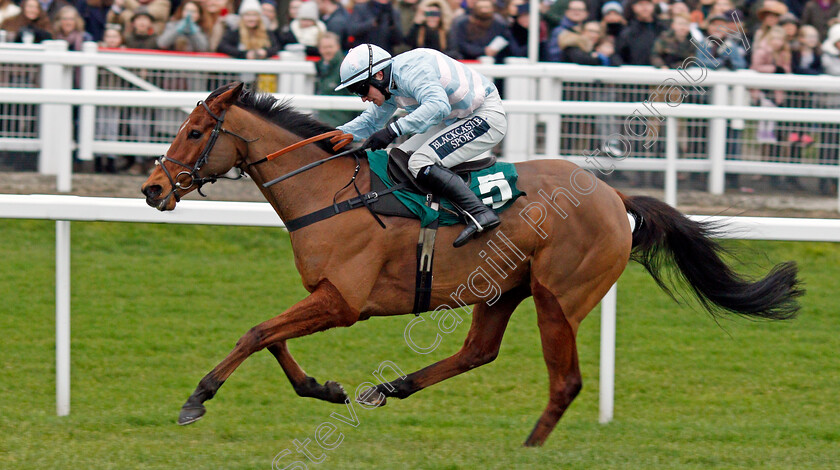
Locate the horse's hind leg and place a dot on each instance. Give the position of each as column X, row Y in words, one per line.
column 303, row 384
column 480, row 347
column 561, row 358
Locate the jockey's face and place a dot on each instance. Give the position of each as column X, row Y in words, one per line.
column 374, row 96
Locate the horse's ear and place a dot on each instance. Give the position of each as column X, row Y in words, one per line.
column 229, row 96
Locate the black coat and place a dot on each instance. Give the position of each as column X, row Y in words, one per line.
column 337, row 22
column 635, row 43
column 375, row 23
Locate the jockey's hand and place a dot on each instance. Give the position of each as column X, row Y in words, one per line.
column 380, row 139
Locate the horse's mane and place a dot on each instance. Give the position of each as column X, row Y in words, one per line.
column 281, row 113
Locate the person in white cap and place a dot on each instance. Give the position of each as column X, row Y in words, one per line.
column 251, row 40
column 454, row 115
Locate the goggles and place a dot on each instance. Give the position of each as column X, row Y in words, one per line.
column 360, row 88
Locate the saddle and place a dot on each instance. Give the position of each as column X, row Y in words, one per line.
column 399, row 173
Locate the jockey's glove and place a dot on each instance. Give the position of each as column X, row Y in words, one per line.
column 380, row 139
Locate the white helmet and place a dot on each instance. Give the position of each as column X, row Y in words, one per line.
column 360, row 65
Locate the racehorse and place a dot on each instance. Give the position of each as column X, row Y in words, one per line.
column 565, row 242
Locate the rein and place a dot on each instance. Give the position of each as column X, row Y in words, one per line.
column 191, row 172
column 339, row 139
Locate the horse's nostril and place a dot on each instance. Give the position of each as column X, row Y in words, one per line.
column 152, row 190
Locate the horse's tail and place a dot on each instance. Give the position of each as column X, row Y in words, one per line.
column 663, row 236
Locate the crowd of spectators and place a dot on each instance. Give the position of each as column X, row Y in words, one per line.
column 768, row 36
column 791, row 36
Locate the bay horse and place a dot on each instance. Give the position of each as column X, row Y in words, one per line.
column 565, row 242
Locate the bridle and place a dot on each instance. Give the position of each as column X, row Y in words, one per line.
column 190, row 173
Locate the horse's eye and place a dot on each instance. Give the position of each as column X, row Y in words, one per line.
column 194, row 134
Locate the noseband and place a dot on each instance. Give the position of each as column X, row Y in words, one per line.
column 190, row 173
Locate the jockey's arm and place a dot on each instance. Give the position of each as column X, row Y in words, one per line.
column 371, row 120
column 424, row 86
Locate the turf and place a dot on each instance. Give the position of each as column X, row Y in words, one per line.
column 155, row 307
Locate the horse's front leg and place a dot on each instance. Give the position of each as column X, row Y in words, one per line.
column 324, row 308
column 303, row 384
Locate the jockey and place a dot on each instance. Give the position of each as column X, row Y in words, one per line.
column 454, row 115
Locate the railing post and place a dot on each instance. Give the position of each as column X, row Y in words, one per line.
column 519, row 125
column 62, row 317
column 87, row 112
column 56, row 122
column 671, row 161
column 717, row 141
column 294, row 83
column 551, row 89
column 607, row 370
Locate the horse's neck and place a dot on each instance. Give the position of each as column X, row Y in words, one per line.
column 302, row 193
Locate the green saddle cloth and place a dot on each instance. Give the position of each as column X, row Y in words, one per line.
column 495, row 186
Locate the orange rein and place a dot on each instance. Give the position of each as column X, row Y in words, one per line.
column 339, row 139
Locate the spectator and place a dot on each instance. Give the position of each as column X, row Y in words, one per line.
column 122, row 12
column 70, row 27
column 51, row 7
column 635, row 43
column 772, row 55
column 329, row 46
column 8, row 9
column 474, row 35
column 818, row 13
column 807, row 58
column 336, row 18
column 830, row 136
column 251, row 39
column 305, row 29
column 605, row 47
column 408, row 10
column 520, row 35
column 431, row 26
column 720, row 50
column 702, row 11
column 790, row 24
column 769, row 14
column 612, row 19
column 112, row 37
column 673, row 46
column 721, row 7
column 142, row 33
column 31, row 25
column 220, row 20
column 375, row 22
column 578, row 44
column 269, row 12
column 556, row 12
column 457, row 7
column 576, row 14
column 183, row 32
column 108, row 117
column 795, row 7
column 94, row 13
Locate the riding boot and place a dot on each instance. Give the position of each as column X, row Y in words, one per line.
column 443, row 182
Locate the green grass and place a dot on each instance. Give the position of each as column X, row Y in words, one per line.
column 155, row 307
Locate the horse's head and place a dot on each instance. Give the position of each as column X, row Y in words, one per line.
column 202, row 151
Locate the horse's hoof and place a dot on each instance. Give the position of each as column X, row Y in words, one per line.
column 335, row 392
column 372, row 397
column 190, row 414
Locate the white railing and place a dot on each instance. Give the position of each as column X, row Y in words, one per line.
column 64, row 209
column 537, row 95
